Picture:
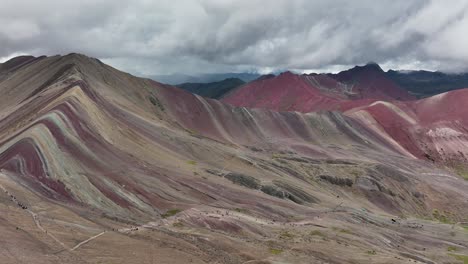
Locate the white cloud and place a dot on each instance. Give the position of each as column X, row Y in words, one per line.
column 18, row 30
column 195, row 36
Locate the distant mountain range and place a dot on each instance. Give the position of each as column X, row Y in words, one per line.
column 313, row 92
column 427, row 83
column 175, row 79
column 214, row 89
column 419, row 84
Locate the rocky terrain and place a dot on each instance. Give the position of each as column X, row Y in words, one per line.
column 99, row 166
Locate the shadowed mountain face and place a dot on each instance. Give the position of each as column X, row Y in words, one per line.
column 213, row 90
column 371, row 82
column 426, row 83
column 99, row 166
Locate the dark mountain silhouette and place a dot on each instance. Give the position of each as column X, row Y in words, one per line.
column 427, row 83
column 175, row 79
column 212, row 90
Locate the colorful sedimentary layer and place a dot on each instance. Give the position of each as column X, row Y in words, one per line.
column 100, row 166
column 433, row 128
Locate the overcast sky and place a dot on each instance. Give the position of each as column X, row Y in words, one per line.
column 149, row 37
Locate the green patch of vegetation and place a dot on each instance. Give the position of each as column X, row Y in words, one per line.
column 178, row 224
column 371, row 252
column 317, row 233
column 191, row 162
column 337, row 180
column 342, row 230
column 273, row 191
column 241, row 210
column 464, row 175
column 346, row 231
column 463, row 258
column 286, row 235
column 170, row 213
column 462, row 171
column 452, row 248
column 441, row 217
column 193, row 133
column 276, row 251
column 156, row 103
column 243, row 180
column 275, row 156
column 355, row 173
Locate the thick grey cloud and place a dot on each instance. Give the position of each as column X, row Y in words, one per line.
column 194, row 36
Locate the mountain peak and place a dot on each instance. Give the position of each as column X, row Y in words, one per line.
column 76, row 55
column 287, row 73
column 372, row 65
column 80, row 58
column 265, row 77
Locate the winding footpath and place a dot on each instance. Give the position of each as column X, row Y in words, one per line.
column 35, row 217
